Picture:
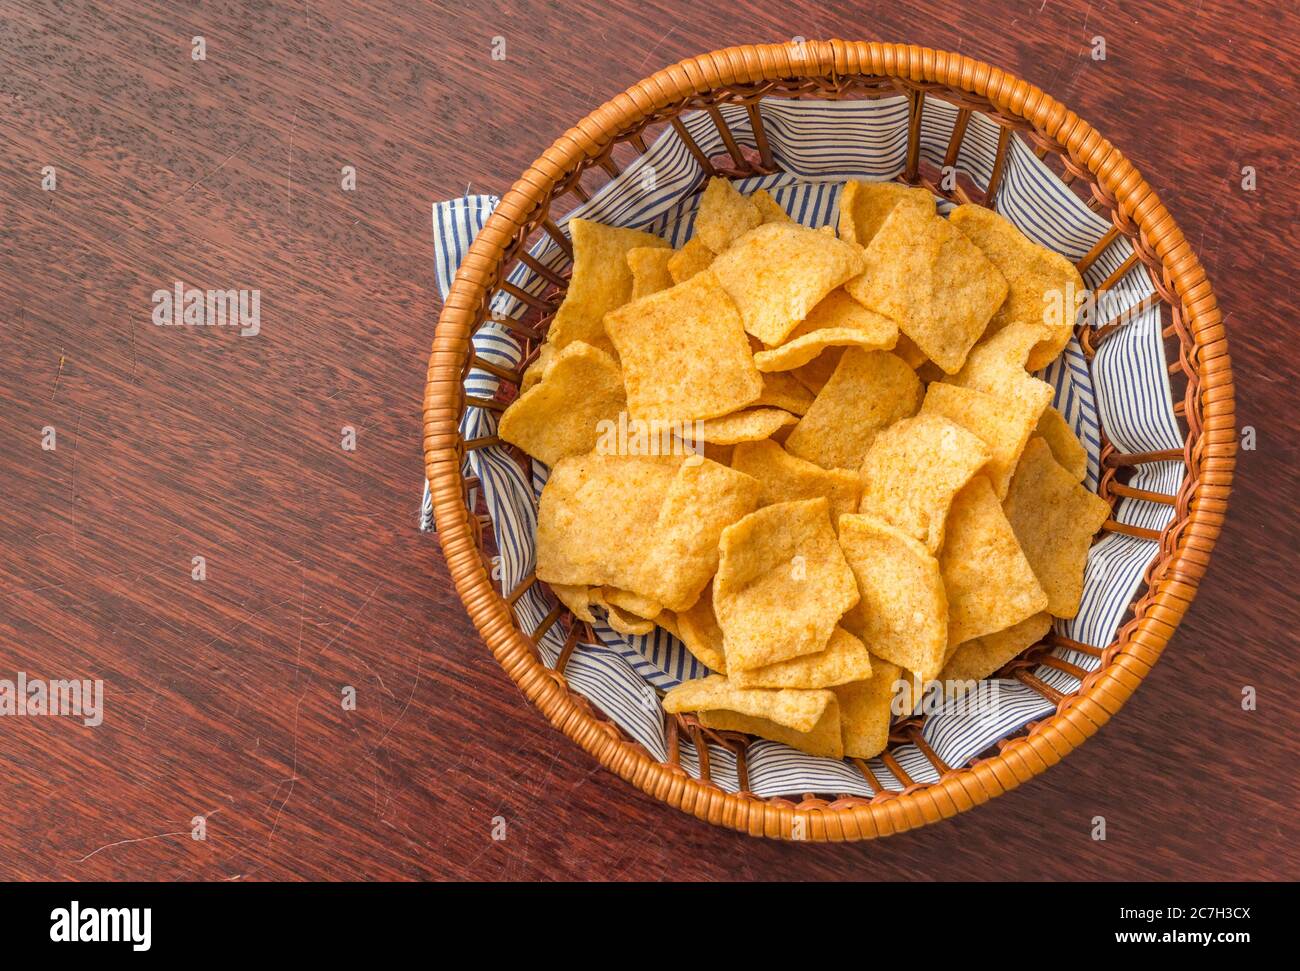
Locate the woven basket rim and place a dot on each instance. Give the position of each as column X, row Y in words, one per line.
column 1140, row 644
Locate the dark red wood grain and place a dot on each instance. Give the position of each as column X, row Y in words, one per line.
column 223, row 696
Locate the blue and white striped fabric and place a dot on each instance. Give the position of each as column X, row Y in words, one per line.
column 818, row 145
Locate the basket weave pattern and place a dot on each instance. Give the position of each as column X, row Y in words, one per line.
column 1200, row 375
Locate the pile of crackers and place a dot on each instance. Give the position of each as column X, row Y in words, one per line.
column 851, row 479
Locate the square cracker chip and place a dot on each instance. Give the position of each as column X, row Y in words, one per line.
column 751, row 425
column 791, row 708
column 533, row 373
column 912, row 471
column 649, row 266
column 869, row 391
column 783, row 477
column 818, row 371
column 997, row 364
column 824, row 740
column 1003, row 424
column 989, row 582
column 684, row 353
column 782, row 584
column 580, row 387
column 1065, row 445
column 698, row 629
column 933, row 281
column 769, row 209
column 903, row 613
column 864, row 206
column 702, row 500
column 724, row 215
column 845, row 659
column 976, row 659
column 1041, row 284
column 601, row 279
column 1054, row 518
column 838, row 320
column 694, row 257
column 648, row 525
column 866, row 710
column 778, row 272
column 578, row 598
column 783, row 390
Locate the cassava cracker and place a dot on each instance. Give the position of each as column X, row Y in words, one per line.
column 989, row 582
column 684, row 353
column 601, row 279
column 912, row 471
column 837, row 320
column 783, row 477
column 869, row 391
column 560, row 415
column 903, row 613
column 782, row 584
column 933, row 281
column 1003, row 424
column 778, row 272
column 1054, row 519
column 1041, row 285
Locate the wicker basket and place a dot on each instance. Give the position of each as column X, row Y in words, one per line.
column 1200, row 375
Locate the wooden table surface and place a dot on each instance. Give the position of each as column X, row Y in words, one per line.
column 222, row 696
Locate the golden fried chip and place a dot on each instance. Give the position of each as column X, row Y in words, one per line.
column 778, row 272
column 533, row 373
column 1066, row 447
column 912, row 471
column 784, row 478
column 1041, row 285
column 933, row 281
column 601, row 280
column 751, row 425
column 976, row 659
column 1054, row 518
column 869, row 391
column 824, row 740
column 699, row 631
column 903, row 613
column 782, row 584
column 789, row 707
column 668, row 621
column 906, row 349
column 631, row 603
column 866, row 710
column 577, row 597
column 1003, row 424
column 647, row 525
column 561, row 415
column 597, row 516
column 684, row 353
column 768, row 208
column 703, row 499
column 990, row 584
column 694, row 257
column 724, row 215
column 864, row 206
column 838, row 320
column 649, row 266
column 625, row 622
column 845, row 659
column 818, row 371
column 997, row 365
column 782, row 390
